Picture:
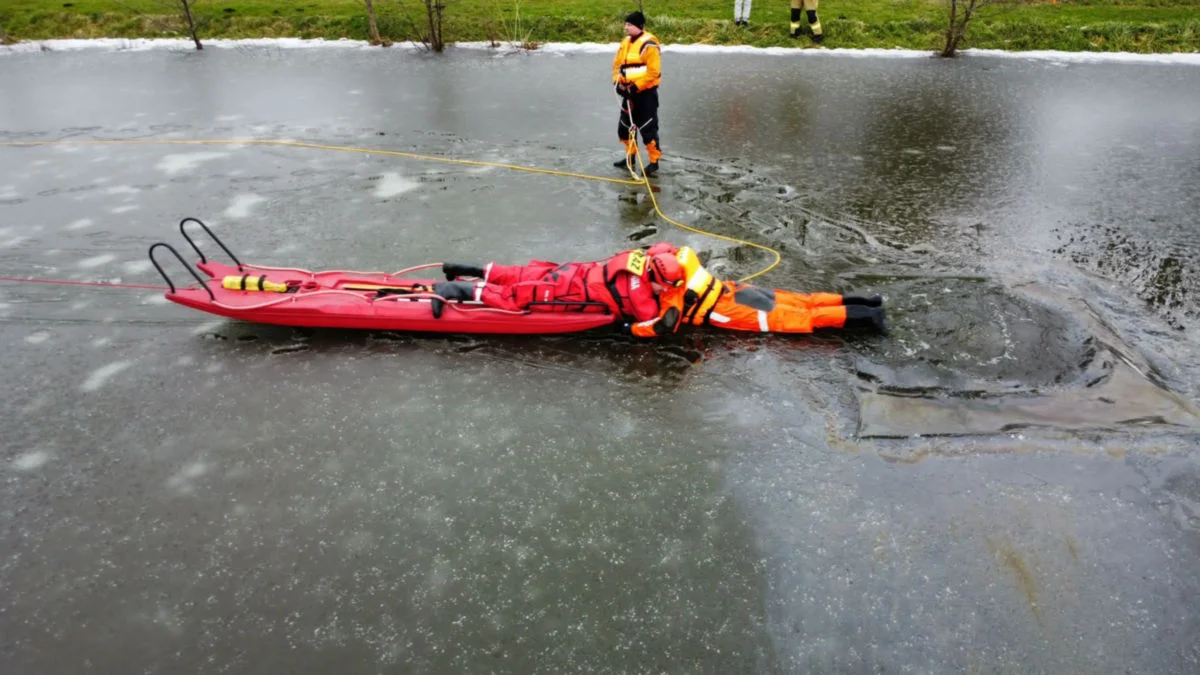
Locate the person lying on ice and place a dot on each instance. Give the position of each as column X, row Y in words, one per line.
column 627, row 285
column 704, row 300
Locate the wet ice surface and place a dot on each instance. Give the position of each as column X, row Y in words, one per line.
column 234, row 498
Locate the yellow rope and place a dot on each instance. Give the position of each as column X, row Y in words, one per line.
column 644, row 180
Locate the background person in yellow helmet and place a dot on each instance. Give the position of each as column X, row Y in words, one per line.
column 637, row 72
column 810, row 8
column 703, row 300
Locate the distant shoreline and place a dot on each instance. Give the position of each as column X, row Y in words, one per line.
column 1083, row 26
column 178, row 44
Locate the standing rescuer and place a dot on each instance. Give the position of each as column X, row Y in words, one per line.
column 637, row 72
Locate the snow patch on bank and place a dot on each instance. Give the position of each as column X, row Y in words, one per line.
column 146, row 44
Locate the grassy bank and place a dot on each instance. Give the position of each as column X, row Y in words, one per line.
column 1075, row 25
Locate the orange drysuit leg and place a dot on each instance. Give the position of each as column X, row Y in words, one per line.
column 749, row 308
column 782, row 319
column 806, row 300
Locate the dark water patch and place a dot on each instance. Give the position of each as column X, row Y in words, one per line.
column 70, row 190
column 391, row 336
column 290, row 349
column 1164, row 275
column 1006, row 360
column 1183, row 489
column 1109, row 386
column 643, row 233
column 952, row 329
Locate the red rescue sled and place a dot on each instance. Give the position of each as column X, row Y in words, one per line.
column 287, row 296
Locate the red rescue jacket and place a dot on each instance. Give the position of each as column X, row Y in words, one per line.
column 621, row 283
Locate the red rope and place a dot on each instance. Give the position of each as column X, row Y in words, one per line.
column 64, row 282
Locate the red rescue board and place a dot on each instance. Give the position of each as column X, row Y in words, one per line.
column 289, row 296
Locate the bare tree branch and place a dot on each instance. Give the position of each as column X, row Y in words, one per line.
column 956, row 28
column 372, row 26
column 431, row 34
column 185, row 5
column 433, row 10
column 182, row 9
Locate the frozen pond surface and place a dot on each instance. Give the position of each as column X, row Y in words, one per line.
column 1008, row 482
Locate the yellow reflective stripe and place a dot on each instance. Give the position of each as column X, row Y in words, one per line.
column 698, row 280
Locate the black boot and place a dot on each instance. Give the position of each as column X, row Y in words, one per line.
column 456, row 270
column 627, row 163
column 858, row 316
column 868, row 300
column 451, row 290
column 651, row 168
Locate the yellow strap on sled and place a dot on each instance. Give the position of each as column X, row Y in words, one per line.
column 247, row 282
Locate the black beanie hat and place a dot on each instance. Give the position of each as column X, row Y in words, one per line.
column 637, row 19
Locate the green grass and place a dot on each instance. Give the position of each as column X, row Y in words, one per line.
column 1076, row 25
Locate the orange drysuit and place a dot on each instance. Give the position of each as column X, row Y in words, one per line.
column 746, row 307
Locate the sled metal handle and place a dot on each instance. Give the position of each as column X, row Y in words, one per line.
column 214, row 237
column 182, row 262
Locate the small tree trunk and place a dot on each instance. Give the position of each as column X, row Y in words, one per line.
column 431, row 13
column 433, row 9
column 191, row 23
column 951, row 43
column 956, row 31
column 372, row 27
